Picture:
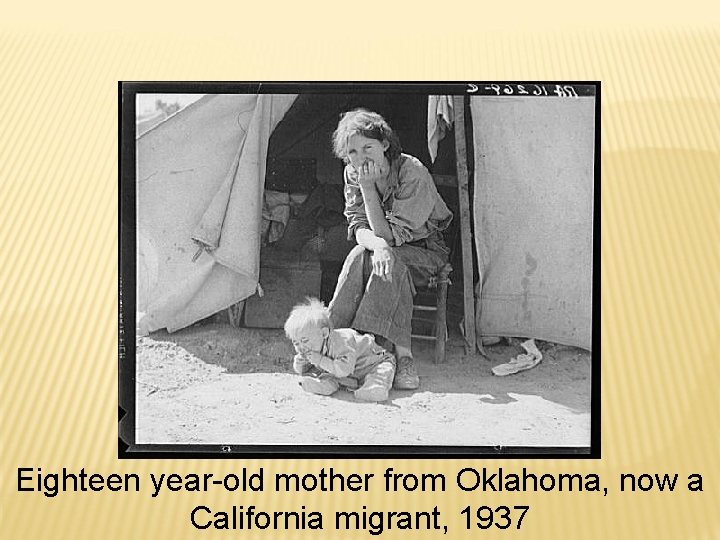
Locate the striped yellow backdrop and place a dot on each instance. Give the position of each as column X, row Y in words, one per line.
column 59, row 66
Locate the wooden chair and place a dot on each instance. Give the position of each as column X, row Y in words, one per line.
column 433, row 300
column 430, row 302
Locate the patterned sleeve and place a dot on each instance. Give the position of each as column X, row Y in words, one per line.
column 414, row 203
column 354, row 205
column 343, row 356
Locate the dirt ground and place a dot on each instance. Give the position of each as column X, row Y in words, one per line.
column 216, row 384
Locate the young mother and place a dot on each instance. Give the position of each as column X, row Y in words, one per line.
column 396, row 216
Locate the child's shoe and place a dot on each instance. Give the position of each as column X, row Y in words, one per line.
column 319, row 385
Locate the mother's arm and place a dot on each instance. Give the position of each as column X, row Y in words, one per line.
column 383, row 258
column 378, row 238
column 370, row 241
column 379, row 235
column 368, row 177
column 367, row 224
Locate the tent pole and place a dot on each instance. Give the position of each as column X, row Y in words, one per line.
column 465, row 233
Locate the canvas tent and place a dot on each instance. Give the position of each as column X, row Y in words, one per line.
column 201, row 177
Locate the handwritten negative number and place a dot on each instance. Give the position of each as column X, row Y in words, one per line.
column 523, row 90
column 565, row 91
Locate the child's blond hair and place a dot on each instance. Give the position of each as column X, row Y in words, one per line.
column 311, row 312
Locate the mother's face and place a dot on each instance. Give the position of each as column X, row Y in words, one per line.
column 362, row 150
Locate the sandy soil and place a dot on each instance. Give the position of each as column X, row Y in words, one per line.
column 215, row 384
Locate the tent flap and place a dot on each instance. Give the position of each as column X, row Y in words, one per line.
column 187, row 194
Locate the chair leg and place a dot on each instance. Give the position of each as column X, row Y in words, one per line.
column 441, row 332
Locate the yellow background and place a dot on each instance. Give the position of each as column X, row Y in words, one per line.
column 59, row 65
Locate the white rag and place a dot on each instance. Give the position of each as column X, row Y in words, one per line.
column 440, row 118
column 522, row 361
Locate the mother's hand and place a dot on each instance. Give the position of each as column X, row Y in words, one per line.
column 369, row 174
column 383, row 261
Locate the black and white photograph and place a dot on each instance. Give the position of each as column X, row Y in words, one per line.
column 405, row 268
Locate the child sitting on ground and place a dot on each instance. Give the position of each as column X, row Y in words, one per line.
column 343, row 356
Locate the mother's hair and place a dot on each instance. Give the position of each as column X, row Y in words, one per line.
column 368, row 124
